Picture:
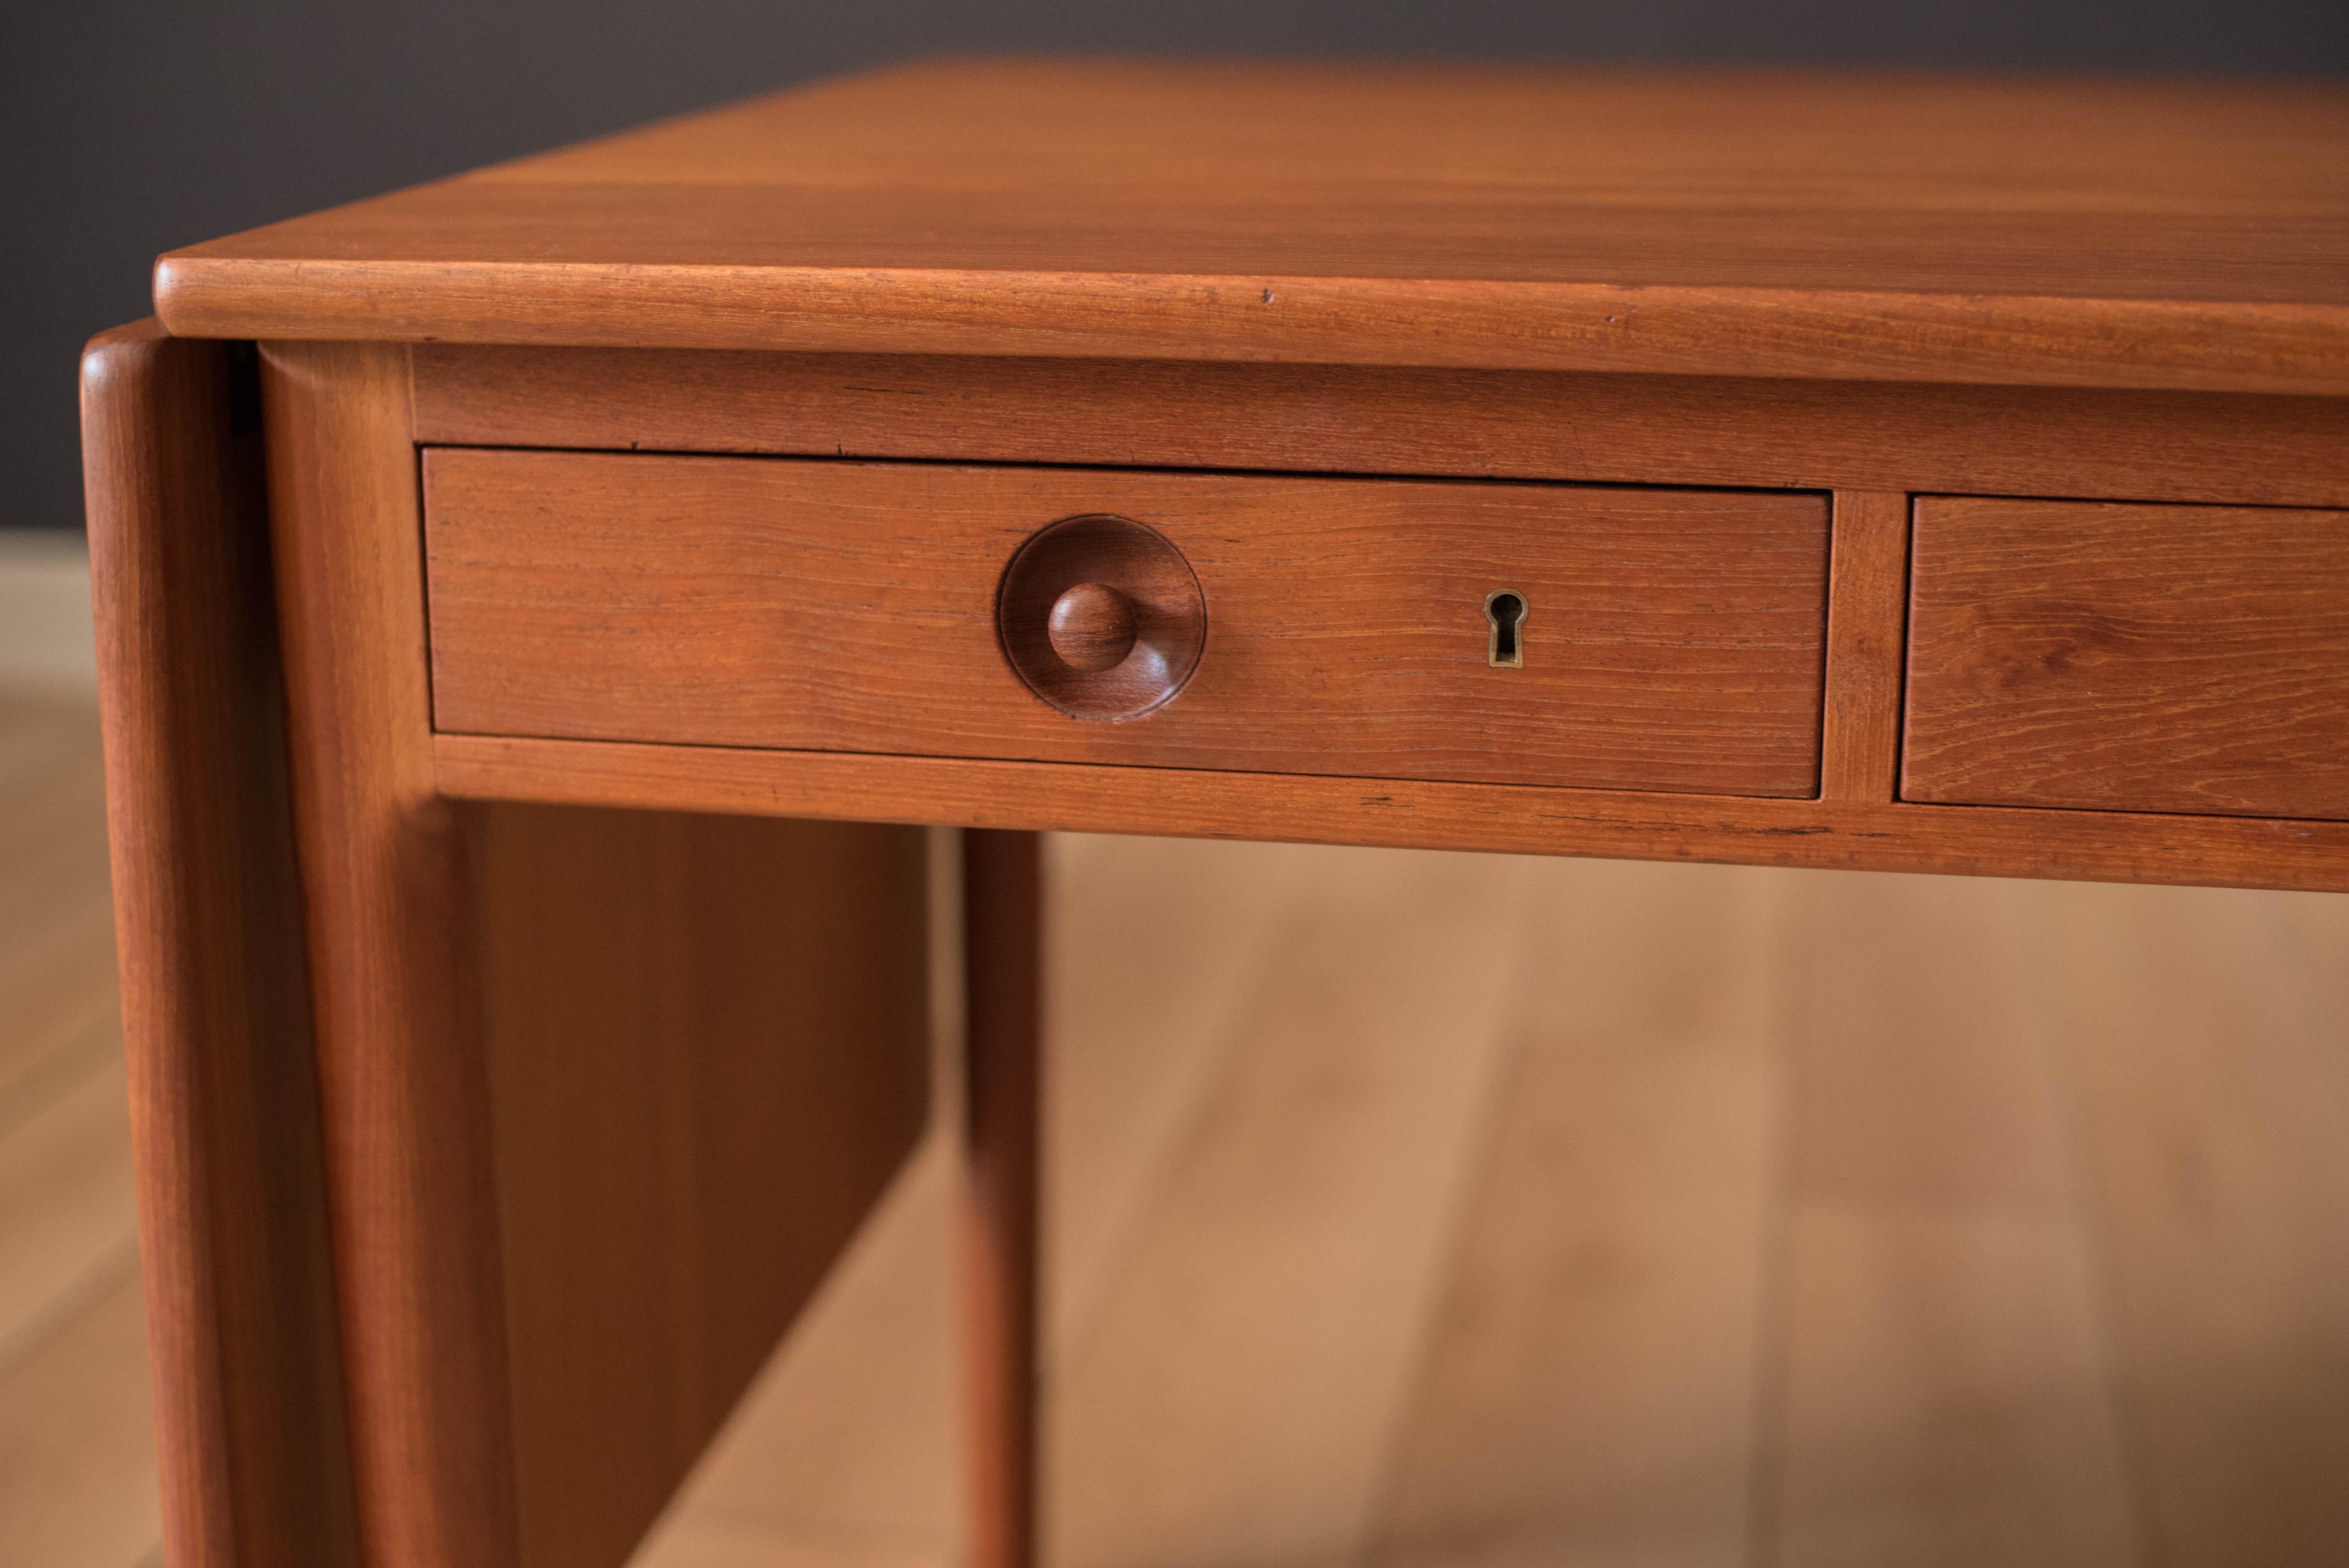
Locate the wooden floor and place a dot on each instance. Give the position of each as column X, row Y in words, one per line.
column 77, row 1442
column 1417, row 1209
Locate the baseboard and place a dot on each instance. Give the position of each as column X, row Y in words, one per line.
column 46, row 643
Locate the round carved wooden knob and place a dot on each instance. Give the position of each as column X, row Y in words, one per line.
column 1100, row 617
column 1092, row 627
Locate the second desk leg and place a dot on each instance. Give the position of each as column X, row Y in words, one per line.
column 1002, row 918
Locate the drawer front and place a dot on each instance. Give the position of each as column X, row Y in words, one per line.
column 2146, row 658
column 1671, row 640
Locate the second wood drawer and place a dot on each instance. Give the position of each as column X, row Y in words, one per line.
column 1673, row 641
column 2129, row 657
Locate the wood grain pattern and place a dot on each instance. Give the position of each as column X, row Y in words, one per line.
column 1950, row 1407
column 388, row 902
column 78, row 1476
column 708, row 1044
column 78, row 1445
column 574, row 993
column 68, row 1223
column 216, row 1003
column 1851, row 835
column 1496, row 218
column 1706, row 429
column 1866, row 629
column 2129, row 657
column 2205, row 1057
column 847, row 1452
column 67, row 1208
column 1947, row 1397
column 2213, row 1025
column 1003, row 914
column 1237, row 1395
column 59, row 990
column 1591, row 1389
column 1957, row 1399
column 1672, row 643
column 1153, row 953
column 1100, row 616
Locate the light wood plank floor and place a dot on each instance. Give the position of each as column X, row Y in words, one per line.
column 1415, row 1209
column 77, row 1441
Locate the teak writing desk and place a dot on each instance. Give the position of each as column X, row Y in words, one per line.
column 1886, row 473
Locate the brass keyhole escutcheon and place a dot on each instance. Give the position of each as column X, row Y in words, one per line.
column 1506, row 609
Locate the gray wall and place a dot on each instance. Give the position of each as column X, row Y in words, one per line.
column 138, row 125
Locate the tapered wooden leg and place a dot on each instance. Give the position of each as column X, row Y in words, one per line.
column 251, row 1452
column 402, row 1085
column 1002, row 914
column 603, row 1093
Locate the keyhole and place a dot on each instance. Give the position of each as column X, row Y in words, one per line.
column 1506, row 611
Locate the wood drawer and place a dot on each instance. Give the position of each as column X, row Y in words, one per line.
column 1673, row 642
column 2143, row 659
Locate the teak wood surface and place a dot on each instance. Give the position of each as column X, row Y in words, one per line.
column 564, row 1062
column 709, row 1049
column 403, row 1081
column 1675, row 634
column 1906, row 228
column 216, row 1006
column 1002, row 1190
column 2170, row 658
column 1983, row 319
column 1674, row 431
column 1779, row 434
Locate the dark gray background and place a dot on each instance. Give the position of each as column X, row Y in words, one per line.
column 139, row 125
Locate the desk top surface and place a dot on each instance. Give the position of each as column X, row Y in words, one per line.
column 2066, row 231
